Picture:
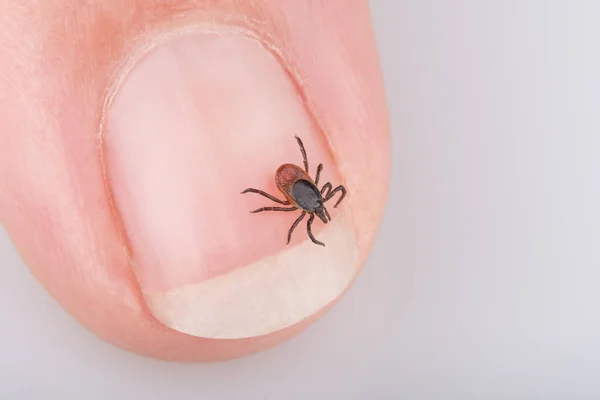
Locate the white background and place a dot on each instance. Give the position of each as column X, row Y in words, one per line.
column 485, row 280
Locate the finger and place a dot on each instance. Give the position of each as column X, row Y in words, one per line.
column 130, row 214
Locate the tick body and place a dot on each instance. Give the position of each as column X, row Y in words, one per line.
column 302, row 193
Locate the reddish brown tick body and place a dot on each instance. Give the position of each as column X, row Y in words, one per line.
column 301, row 193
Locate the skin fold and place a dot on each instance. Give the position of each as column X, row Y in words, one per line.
column 60, row 63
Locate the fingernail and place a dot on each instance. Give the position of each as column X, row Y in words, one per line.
column 197, row 120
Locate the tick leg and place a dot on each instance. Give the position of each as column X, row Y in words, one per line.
column 309, row 230
column 319, row 169
column 334, row 191
column 274, row 209
column 294, row 226
column 267, row 195
column 328, row 187
column 303, row 153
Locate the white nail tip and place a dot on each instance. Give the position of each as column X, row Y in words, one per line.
column 267, row 296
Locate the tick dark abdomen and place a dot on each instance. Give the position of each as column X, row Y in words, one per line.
column 307, row 196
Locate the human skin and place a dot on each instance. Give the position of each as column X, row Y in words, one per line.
column 128, row 131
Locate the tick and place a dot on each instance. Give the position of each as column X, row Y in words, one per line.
column 301, row 193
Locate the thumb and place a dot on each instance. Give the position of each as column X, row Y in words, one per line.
column 158, row 251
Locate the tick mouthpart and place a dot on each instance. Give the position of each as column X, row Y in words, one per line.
column 321, row 214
